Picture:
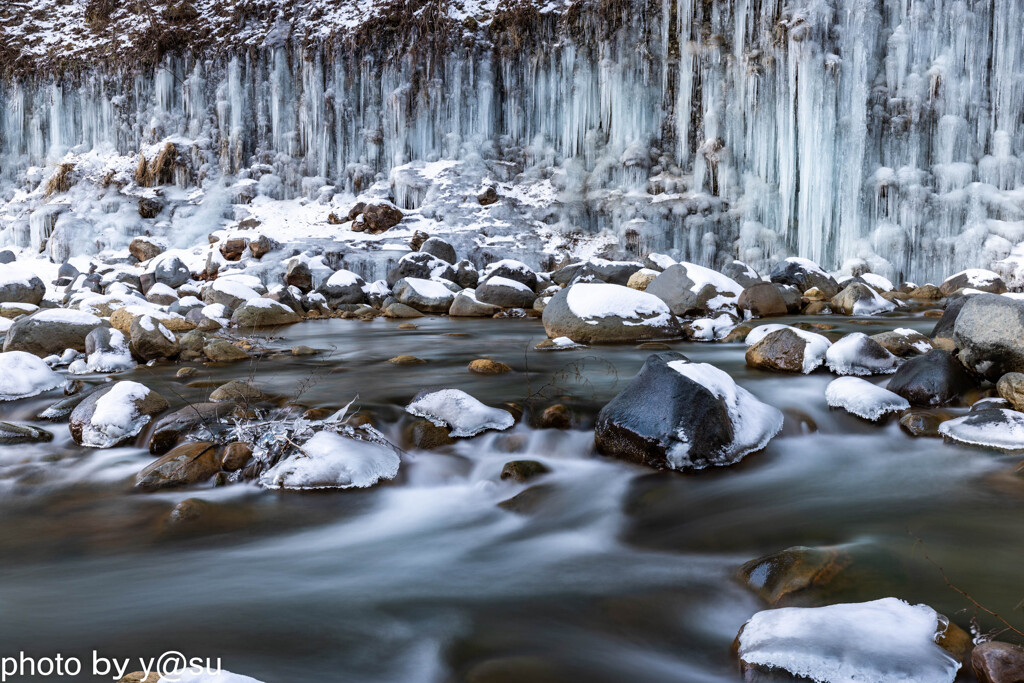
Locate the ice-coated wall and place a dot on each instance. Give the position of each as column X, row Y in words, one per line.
column 831, row 130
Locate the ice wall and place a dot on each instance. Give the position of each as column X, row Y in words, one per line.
column 890, row 131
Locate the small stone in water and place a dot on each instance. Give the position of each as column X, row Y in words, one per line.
column 485, row 366
column 406, row 359
column 303, row 351
column 557, row 416
column 523, row 470
column 185, row 372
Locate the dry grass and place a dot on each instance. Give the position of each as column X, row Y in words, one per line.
column 61, row 180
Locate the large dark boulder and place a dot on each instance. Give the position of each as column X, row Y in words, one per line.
column 435, row 246
column 763, row 299
column 934, row 379
column 612, row 272
column 741, row 273
column 343, row 287
column 511, row 269
column 426, row 296
column 205, row 419
column 20, row 286
column 804, row 274
column 989, row 334
column 680, row 415
column 973, row 278
column 944, row 327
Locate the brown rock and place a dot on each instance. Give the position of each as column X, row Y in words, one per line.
column 817, row 308
column 777, row 576
column 487, row 197
column 523, row 470
column 781, row 350
column 223, row 351
column 233, row 248
column 922, row 422
column 187, row 464
column 485, row 366
column 1011, row 388
column 763, row 299
column 236, row 391
column 262, row 246
column 406, row 359
column 334, row 219
column 557, row 416
column 141, row 677
column 925, row 293
column 913, row 344
column 996, row 662
column 425, row 435
column 144, row 248
column 236, row 456
column 378, row 218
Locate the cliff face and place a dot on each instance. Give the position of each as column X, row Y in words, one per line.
column 889, row 132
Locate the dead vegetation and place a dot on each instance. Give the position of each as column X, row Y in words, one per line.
column 61, row 180
column 163, row 169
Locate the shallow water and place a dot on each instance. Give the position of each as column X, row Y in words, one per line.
column 605, row 571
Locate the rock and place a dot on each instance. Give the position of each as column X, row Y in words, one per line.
column 762, row 300
column 343, row 287
column 398, row 310
column 299, row 275
column 170, row 270
column 114, row 415
column 788, row 350
column 863, row 399
column 11, row 434
column 261, row 246
column 229, row 292
column 356, row 210
column 925, row 293
column 186, row 372
column 232, row 249
column 466, row 276
column 141, row 677
column 7, row 256
column 611, row 272
column 464, row 414
column 523, row 470
column 161, row 295
column 973, row 278
column 51, row 331
column 286, row 296
column 511, row 269
column 505, row 293
column 406, row 359
column 302, row 350
column 235, row 390
column 223, row 351
column 436, row 246
column 185, row 465
column 1000, row 429
column 934, row 379
column 604, row 313
column 904, row 342
column 378, row 218
column 488, row 196
column 201, row 418
column 557, row 416
column 466, row 305
column 692, row 290
column 107, row 350
column 329, row 460
column 263, row 312
column 947, row 321
column 742, row 274
column 779, row 576
column 420, row 265
column 989, row 335
column 642, row 279
column 426, row 296
column 484, row 366
column 425, row 435
column 922, row 423
column 859, row 354
column 144, row 249
column 236, row 456
column 860, row 299
column 804, row 274
column 680, row 415
column 996, row 662
column 150, row 340
column 20, row 286
column 191, row 345
column 1011, row 388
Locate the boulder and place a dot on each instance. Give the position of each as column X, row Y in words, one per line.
column 114, row 415
column 762, row 299
column 378, row 218
column 925, row 293
column 466, row 276
column 486, row 366
column 435, row 246
column 1011, row 388
column 996, row 662
column 229, row 292
column 692, row 290
column 233, row 248
column 420, row 265
column 862, row 398
column 612, row 272
column 401, row 311
column 934, row 379
column 505, row 293
column 989, row 335
column 107, row 350
column 788, row 350
column 859, row 354
column 996, row 428
column 51, row 331
column 741, row 273
column 170, row 270
column 11, row 434
column 263, row 312
column 973, row 278
column 604, row 313
column 20, row 286
column 343, row 287
column 904, row 342
column 261, row 246
column 185, row 465
column 466, row 305
column 174, row 428
column 426, row 296
column 144, row 249
column 223, row 351
column 680, row 415
column 944, row 327
column 299, row 275
column 860, row 299
column 150, row 339
column 512, row 270
column 804, row 274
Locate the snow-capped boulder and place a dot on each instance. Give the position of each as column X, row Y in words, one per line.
column 859, row 354
column 435, row 246
column 420, row 265
column 263, row 312
column 150, row 339
column 161, row 295
column 788, row 349
column 762, row 299
column 904, row 342
column 426, row 296
column 456, row 409
column 329, row 460
column 998, row 428
column 741, row 273
column 506, row 293
column 973, row 278
column 343, row 287
column 466, row 305
column 877, row 282
column 596, row 269
column 642, row 278
column 859, row 299
column 107, row 351
column 23, row 374
column 1011, row 389
column 804, row 274
column 881, row 640
column 863, row 399
column 599, row 312
column 680, row 415
column 169, row 270
column 51, row 330
column 18, row 285
column 692, row 290
column 511, row 269
column 466, row 275
column 115, row 414
column 710, row 329
column 989, row 334
column 229, row 292
column 934, row 379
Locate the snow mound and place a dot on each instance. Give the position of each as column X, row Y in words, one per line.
column 329, row 460
column 858, row 354
column 600, row 300
column 117, row 358
column 66, row 315
column 712, row 329
column 115, row 416
column 428, row 289
column 863, row 399
column 456, row 409
column 878, row 281
column 885, row 640
column 342, row 278
column 992, row 428
column 23, row 374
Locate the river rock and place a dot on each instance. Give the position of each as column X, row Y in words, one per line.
column 904, row 342
column 989, row 334
column 185, row 465
column 435, row 246
column 859, row 354
column 920, row 422
column 934, row 379
column 11, row 434
column 108, row 350
column 762, row 299
column 973, row 278
column 1011, row 388
column 263, row 312
column 170, row 270
column 420, row 265
column 741, row 273
column 777, row 577
column 466, row 275
column 426, row 435
column 456, row 409
column 114, row 415
column 505, row 293
column 642, row 278
column 237, row 391
column 466, row 305
column 1000, row 429
column 151, row 340
column 426, row 296
column 486, row 366
column 680, row 415
column 172, row 429
column 223, row 351
column 947, row 321
column 860, row 299
column 787, row 350
column 161, row 295
column 804, row 274
column 996, row 662
column 51, row 331
column 510, row 269
column 229, row 292
column 523, row 470
column 18, row 285
column 692, row 290
column 862, row 398
column 401, row 311
column 343, row 287
column 604, row 313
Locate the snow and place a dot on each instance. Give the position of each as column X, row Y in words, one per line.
column 115, row 416
column 235, row 287
column 754, row 423
column 506, row 264
column 328, row 460
column 149, row 323
column 429, row 289
column 456, row 409
column 807, row 264
column 117, row 359
column 711, row 329
column 873, row 305
column 702, row 276
column 992, row 428
column 342, row 278
column 863, row 399
column 849, row 356
column 191, row 676
column 23, row 374
column 877, row 281
column 600, row 300
column 816, row 346
column 66, row 315
column 921, row 345
column 14, row 274
column 506, row 282
column 882, row 641
column 977, row 277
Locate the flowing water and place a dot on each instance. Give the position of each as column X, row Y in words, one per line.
column 601, row 571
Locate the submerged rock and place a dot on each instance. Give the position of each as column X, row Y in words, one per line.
column 603, row 313
column 778, row 576
column 195, row 418
column 523, row 470
column 11, row 434
column 680, row 415
column 486, row 366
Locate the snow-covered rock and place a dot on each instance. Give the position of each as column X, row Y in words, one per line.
column 51, row 330
column 599, row 312
column 804, row 274
column 863, row 399
column 329, row 460
column 859, row 299
column 1001, row 429
column 859, row 354
column 23, row 374
column 978, row 279
column 263, row 312
column 18, row 285
column 426, row 296
column 690, row 290
column 505, row 292
column 785, row 348
column 107, row 351
column 114, row 415
column 456, row 409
